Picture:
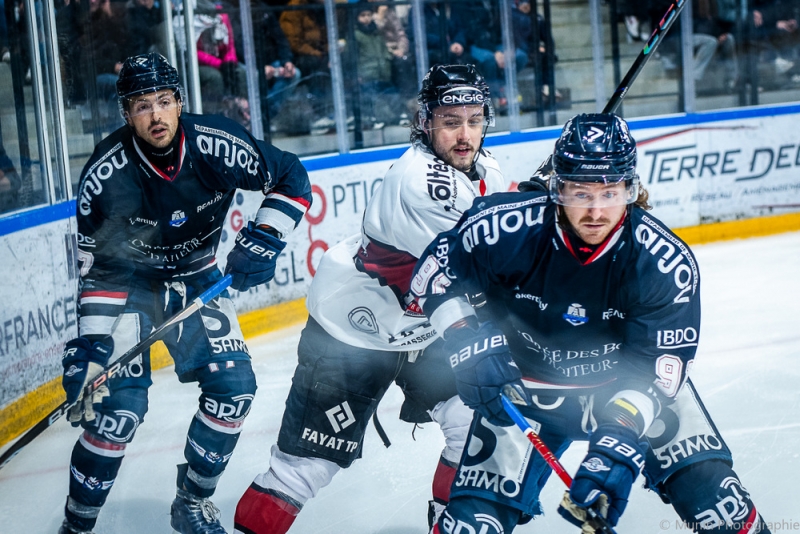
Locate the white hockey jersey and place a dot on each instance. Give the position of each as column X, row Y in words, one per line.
column 360, row 294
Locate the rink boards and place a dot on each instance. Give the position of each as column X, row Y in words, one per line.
column 718, row 175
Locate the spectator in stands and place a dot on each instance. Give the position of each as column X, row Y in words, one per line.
column 637, row 16
column 69, row 29
column 778, row 33
column 105, row 44
column 145, row 18
column 544, row 50
column 221, row 74
column 10, row 183
column 715, row 18
column 308, row 37
column 478, row 31
column 522, row 25
column 275, row 54
column 439, row 32
column 380, row 101
column 394, row 35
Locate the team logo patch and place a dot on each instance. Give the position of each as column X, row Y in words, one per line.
column 363, row 320
column 340, row 417
column 73, row 370
column 178, row 218
column 90, row 483
column 576, row 315
column 595, row 465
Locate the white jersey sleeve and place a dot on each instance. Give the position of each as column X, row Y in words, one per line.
column 360, row 294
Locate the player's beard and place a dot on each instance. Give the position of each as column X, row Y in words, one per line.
column 459, row 162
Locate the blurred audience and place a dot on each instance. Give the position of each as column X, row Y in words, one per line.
column 221, row 74
column 105, row 41
column 10, row 183
column 380, row 100
column 145, row 30
column 275, row 54
column 478, row 32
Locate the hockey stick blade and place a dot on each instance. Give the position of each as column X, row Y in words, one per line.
column 110, row 371
column 650, row 46
column 513, row 412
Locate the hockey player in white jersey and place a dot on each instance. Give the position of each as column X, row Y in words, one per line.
column 364, row 330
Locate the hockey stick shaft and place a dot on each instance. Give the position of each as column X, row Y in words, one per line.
column 647, row 52
column 550, row 458
column 110, row 371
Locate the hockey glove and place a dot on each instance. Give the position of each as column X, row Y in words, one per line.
column 539, row 180
column 604, row 479
column 483, row 365
column 252, row 260
column 82, row 362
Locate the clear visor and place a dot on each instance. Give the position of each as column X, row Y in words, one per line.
column 454, row 118
column 579, row 192
column 152, row 102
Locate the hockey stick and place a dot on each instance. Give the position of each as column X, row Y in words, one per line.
column 548, row 456
column 109, row 372
column 650, row 46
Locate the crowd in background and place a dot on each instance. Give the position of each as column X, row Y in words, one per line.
column 377, row 45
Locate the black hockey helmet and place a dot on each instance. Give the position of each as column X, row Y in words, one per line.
column 594, row 148
column 146, row 73
column 454, row 85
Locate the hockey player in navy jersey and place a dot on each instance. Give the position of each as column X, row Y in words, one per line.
column 364, row 329
column 151, row 204
column 594, row 310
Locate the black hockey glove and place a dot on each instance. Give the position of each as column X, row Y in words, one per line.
column 540, row 179
column 604, row 479
column 252, row 260
column 483, row 365
column 82, row 362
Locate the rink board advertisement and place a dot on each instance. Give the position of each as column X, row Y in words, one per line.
column 697, row 169
column 39, row 288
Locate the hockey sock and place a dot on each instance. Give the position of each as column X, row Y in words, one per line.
column 195, row 483
column 264, row 511
column 442, row 480
column 709, row 497
column 93, row 469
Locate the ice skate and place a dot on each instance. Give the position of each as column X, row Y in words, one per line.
column 194, row 515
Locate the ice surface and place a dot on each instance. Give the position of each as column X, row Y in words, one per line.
column 747, row 371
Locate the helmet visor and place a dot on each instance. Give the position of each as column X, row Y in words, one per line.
column 453, row 118
column 594, row 191
column 156, row 100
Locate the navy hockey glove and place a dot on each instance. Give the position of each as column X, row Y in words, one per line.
column 82, row 362
column 252, row 260
column 604, row 479
column 483, row 365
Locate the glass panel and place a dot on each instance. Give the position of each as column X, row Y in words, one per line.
column 291, row 46
column 23, row 178
column 94, row 38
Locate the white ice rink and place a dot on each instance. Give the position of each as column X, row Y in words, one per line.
column 747, row 371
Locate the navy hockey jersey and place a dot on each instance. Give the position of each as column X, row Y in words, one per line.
column 133, row 220
column 631, row 313
column 132, row 217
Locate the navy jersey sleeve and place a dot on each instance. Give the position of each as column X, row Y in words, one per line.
column 489, row 246
column 289, row 195
column 236, row 159
column 662, row 329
